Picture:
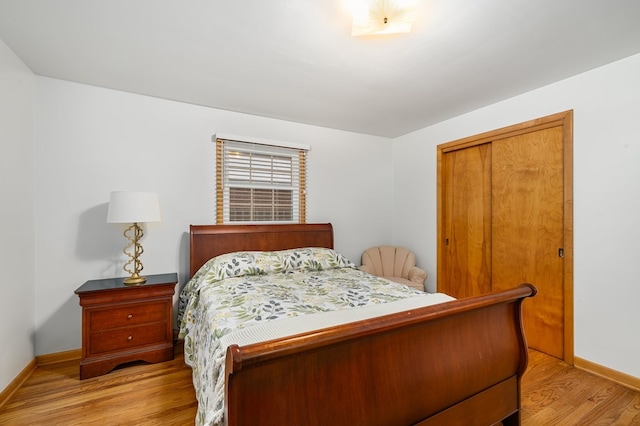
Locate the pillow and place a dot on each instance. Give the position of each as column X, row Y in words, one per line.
column 302, row 259
column 269, row 262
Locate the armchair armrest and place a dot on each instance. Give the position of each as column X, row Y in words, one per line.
column 417, row 275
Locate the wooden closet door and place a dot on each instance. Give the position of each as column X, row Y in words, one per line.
column 467, row 222
column 527, row 229
column 530, row 217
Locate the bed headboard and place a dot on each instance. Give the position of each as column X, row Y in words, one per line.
column 207, row 241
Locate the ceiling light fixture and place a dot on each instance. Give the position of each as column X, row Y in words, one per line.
column 383, row 16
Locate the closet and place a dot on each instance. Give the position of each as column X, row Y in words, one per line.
column 505, row 218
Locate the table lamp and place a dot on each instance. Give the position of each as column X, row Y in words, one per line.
column 133, row 207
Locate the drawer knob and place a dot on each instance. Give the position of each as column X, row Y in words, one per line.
column 130, row 338
column 129, row 316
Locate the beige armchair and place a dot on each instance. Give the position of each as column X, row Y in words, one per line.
column 394, row 263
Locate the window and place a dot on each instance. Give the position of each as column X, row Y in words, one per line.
column 259, row 181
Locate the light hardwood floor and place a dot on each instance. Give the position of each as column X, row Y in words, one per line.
column 162, row 394
column 553, row 393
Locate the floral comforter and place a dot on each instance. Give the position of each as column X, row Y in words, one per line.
column 238, row 291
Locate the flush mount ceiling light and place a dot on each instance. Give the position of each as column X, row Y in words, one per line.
column 383, row 16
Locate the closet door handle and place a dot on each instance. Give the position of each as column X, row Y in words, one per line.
column 560, row 252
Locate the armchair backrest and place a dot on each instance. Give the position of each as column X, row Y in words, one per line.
column 389, row 261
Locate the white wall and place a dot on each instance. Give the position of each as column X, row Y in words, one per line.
column 606, row 104
column 90, row 141
column 17, row 315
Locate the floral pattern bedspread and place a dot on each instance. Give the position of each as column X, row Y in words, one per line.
column 238, row 290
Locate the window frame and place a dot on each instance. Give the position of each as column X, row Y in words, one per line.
column 262, row 166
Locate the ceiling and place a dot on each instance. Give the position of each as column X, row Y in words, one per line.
column 296, row 60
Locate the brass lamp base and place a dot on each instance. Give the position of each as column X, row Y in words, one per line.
column 134, row 233
column 135, row 280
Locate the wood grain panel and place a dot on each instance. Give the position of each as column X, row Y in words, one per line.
column 467, row 222
column 207, row 241
column 527, row 229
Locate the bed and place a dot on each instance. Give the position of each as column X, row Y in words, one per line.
column 444, row 362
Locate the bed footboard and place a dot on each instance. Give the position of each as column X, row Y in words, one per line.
column 459, row 362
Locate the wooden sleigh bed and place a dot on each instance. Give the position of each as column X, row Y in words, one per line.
column 454, row 363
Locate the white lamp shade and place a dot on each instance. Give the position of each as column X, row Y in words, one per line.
column 133, row 207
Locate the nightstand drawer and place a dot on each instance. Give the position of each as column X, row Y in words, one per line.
column 128, row 337
column 127, row 315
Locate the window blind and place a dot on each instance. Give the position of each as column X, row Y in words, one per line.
column 256, row 182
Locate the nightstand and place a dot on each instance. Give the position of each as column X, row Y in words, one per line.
column 123, row 323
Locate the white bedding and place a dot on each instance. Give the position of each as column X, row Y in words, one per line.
column 297, row 325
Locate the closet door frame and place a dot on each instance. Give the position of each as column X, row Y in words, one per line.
column 565, row 120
